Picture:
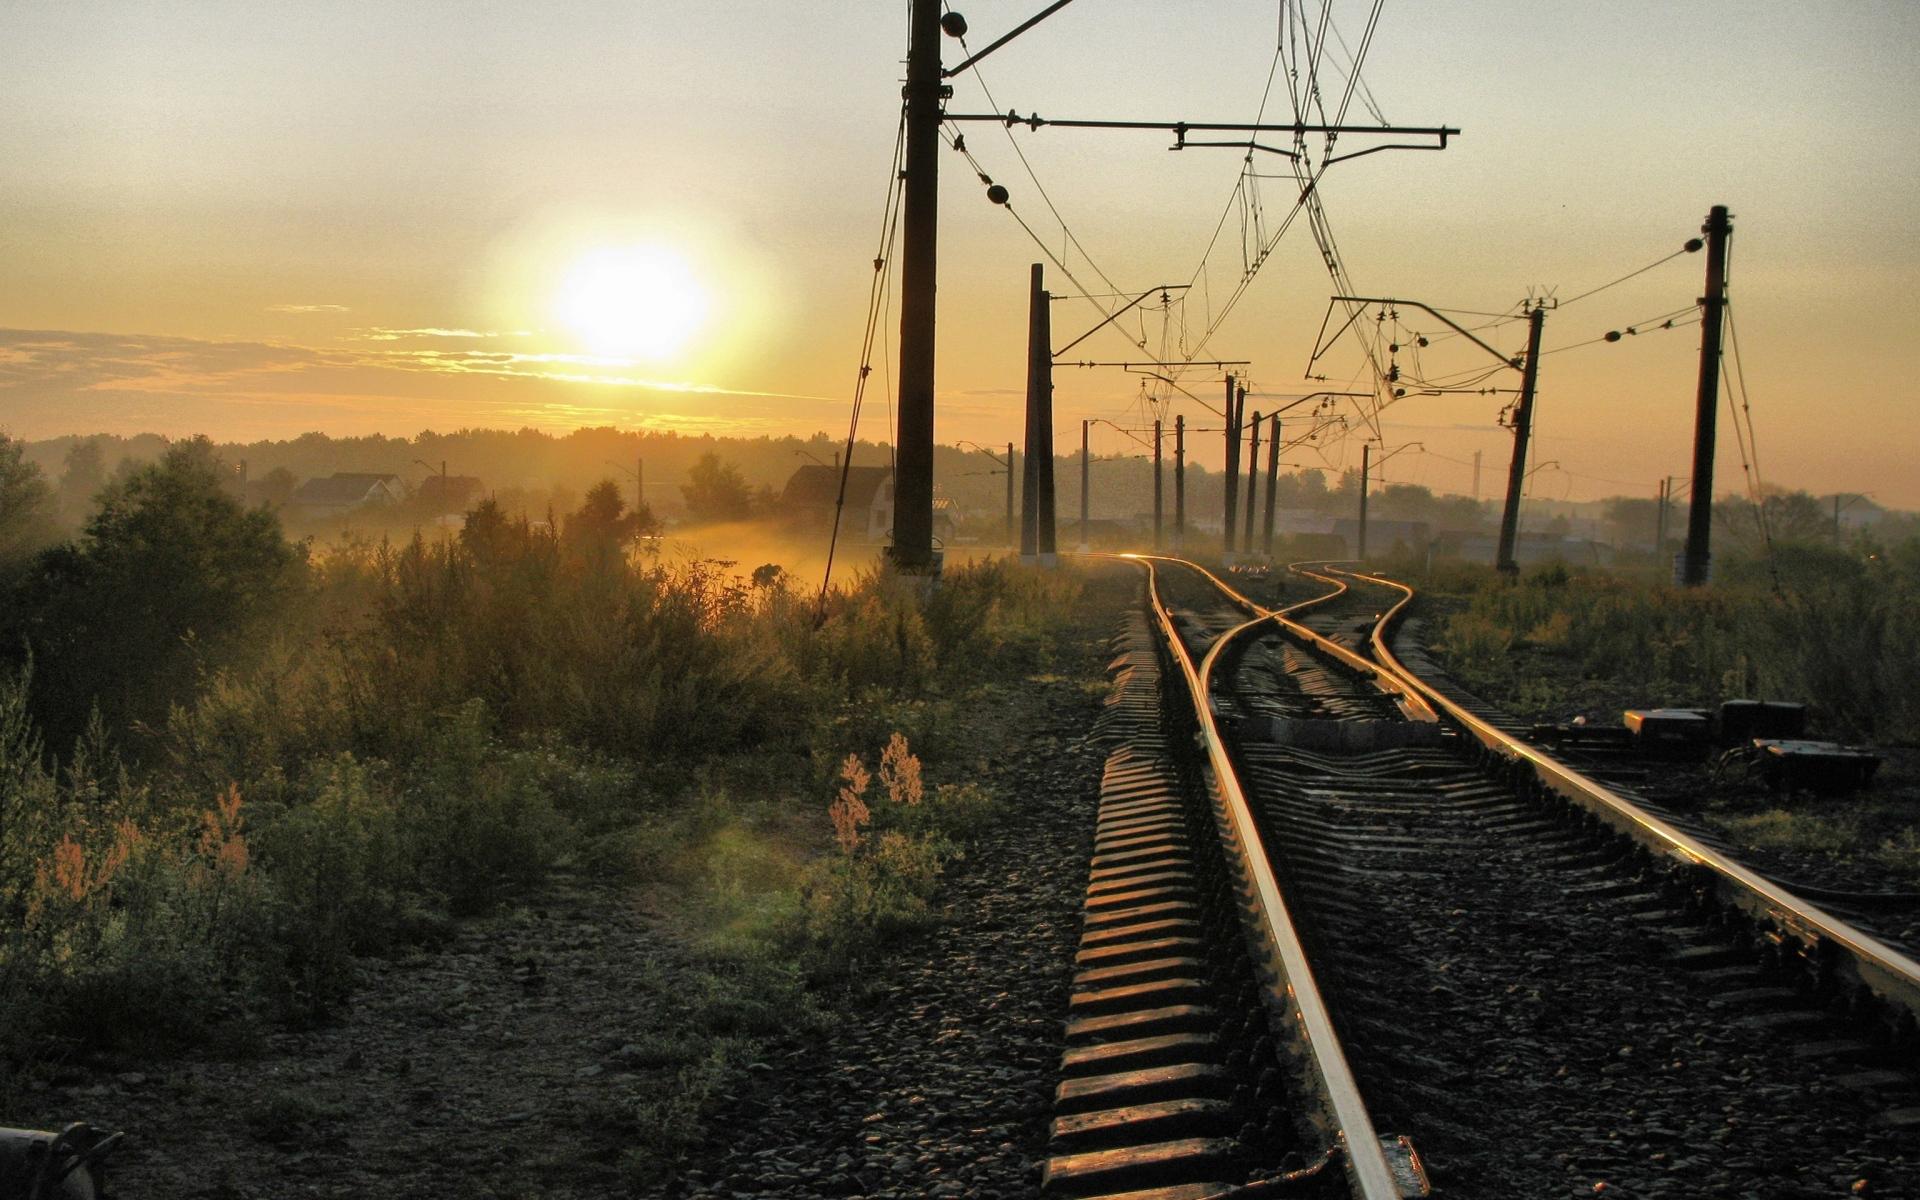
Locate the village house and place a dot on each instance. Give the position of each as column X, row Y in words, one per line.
column 345, row 491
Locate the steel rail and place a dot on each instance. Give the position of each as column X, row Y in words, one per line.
column 1887, row 973
column 1412, row 703
column 1291, row 983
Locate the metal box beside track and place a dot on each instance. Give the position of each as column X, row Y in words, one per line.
column 1670, row 732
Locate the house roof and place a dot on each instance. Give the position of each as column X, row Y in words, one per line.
column 820, row 485
column 342, row 487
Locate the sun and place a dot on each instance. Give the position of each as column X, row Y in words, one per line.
column 641, row 301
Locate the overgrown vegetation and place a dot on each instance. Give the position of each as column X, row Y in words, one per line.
column 229, row 766
column 1841, row 634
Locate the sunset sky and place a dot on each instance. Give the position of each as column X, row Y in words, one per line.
column 256, row 219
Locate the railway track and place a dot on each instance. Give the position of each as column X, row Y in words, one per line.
column 1361, row 918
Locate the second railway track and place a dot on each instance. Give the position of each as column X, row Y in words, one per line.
column 1541, row 1004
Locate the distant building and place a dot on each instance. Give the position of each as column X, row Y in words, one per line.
column 345, row 491
column 448, row 493
column 812, row 492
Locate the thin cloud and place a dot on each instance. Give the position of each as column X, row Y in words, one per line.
column 307, row 308
column 54, row 382
column 382, row 334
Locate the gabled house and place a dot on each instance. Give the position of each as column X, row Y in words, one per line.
column 810, row 495
column 344, row 491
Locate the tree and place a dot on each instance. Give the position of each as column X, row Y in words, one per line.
column 85, row 474
column 169, row 575
column 26, row 508
column 603, row 520
column 1634, row 520
column 716, row 491
column 277, row 487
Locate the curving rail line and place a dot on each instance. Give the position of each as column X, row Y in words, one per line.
column 1290, row 980
column 1380, row 1168
column 1828, row 941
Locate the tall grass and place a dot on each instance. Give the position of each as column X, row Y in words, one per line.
column 1841, row 634
column 434, row 727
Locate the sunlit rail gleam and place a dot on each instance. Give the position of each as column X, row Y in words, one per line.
column 1292, row 988
column 1885, row 971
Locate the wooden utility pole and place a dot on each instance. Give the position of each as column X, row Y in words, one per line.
column 1156, row 486
column 1253, row 479
column 1699, row 555
column 912, row 549
column 1504, row 559
column 1366, row 463
column 1273, row 484
column 1179, row 483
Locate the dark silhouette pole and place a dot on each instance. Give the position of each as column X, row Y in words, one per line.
column 1030, row 480
column 1230, row 493
column 1083, row 485
column 1366, row 462
column 1253, row 478
column 1156, row 485
column 1522, row 430
column 1699, row 555
column 1010, row 541
column 1179, row 483
column 913, row 454
column 1273, row 484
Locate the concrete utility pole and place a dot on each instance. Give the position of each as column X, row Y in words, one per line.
column 1699, row 554
column 1273, row 484
column 1230, row 494
column 1179, row 483
column 1476, row 477
column 1522, row 432
column 1253, row 478
column 1156, row 486
column 1366, row 463
column 912, row 549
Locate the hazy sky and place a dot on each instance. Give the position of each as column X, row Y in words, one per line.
column 255, row 219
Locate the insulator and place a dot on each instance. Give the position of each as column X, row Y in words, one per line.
column 1613, row 335
column 954, row 24
column 1420, row 342
column 996, row 193
column 1693, row 245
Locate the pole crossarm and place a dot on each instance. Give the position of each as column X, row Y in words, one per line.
column 1180, row 129
column 1004, row 38
column 1132, row 433
column 1216, row 362
column 983, row 450
column 1324, row 343
column 1117, row 313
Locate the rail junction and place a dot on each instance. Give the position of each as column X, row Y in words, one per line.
column 1350, row 933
